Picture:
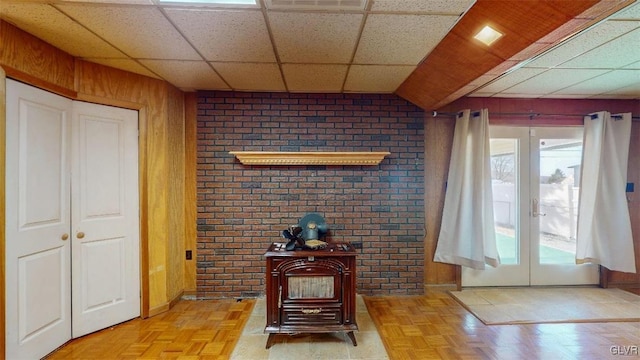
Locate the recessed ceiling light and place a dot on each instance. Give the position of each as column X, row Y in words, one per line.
column 488, row 35
column 212, row 2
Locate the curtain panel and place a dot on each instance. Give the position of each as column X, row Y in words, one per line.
column 604, row 226
column 467, row 233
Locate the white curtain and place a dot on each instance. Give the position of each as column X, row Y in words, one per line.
column 604, row 227
column 467, row 234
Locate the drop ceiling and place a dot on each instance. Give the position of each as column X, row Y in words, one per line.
column 331, row 46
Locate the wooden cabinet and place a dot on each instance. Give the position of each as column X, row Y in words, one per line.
column 311, row 291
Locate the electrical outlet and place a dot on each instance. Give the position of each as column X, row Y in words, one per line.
column 357, row 245
column 189, row 255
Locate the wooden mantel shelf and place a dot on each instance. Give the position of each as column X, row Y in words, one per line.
column 309, row 158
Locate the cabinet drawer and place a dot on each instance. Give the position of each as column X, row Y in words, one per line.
column 312, row 315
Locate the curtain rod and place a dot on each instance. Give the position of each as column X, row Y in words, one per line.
column 531, row 115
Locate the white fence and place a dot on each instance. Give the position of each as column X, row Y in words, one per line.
column 559, row 203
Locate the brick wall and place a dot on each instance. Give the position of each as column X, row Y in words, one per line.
column 242, row 209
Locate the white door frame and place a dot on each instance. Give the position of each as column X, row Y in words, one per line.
column 527, row 272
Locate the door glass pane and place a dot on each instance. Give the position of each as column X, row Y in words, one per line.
column 560, row 161
column 504, row 184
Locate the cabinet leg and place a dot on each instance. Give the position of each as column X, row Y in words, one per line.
column 270, row 340
column 352, row 336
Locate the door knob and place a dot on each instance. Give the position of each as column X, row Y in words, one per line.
column 80, row 235
column 64, row 236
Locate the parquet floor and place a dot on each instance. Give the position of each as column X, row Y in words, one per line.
column 191, row 330
column 432, row 326
column 435, row 326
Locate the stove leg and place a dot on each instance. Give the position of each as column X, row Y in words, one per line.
column 352, row 336
column 270, row 340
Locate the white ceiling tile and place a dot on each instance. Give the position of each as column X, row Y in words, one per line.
column 630, row 91
column 517, row 95
column 630, row 12
column 635, row 65
column 604, row 83
column 314, row 78
column 139, row 31
column 553, row 80
column 614, row 97
column 315, row 37
column 251, row 76
column 481, row 94
column 376, row 78
column 455, row 7
column 627, row 92
column 511, row 79
column 187, row 75
column 401, row 39
column 619, row 52
column 584, row 42
column 124, row 64
column 316, row 5
column 226, row 35
column 50, row 25
column 553, row 96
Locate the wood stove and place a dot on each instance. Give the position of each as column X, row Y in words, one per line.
column 311, row 291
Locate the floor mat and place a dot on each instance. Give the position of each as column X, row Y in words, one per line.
column 499, row 306
column 251, row 345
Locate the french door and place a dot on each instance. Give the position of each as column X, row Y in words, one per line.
column 536, row 179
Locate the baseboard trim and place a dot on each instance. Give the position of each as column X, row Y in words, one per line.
column 159, row 309
column 190, row 293
column 166, row 306
column 175, row 300
column 440, row 287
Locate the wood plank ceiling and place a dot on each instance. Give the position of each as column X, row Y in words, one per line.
column 459, row 64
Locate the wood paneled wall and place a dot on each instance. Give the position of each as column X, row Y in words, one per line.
column 438, row 143
column 190, row 197
column 550, row 112
column 3, row 139
column 36, row 62
column 615, row 278
column 161, row 149
column 176, row 188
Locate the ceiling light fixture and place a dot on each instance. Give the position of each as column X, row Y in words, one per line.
column 488, row 35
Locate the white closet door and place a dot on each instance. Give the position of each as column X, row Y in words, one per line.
column 38, row 293
column 105, row 222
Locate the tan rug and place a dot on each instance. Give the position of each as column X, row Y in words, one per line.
column 334, row 346
column 500, row 306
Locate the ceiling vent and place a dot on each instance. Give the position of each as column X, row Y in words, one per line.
column 316, row 4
